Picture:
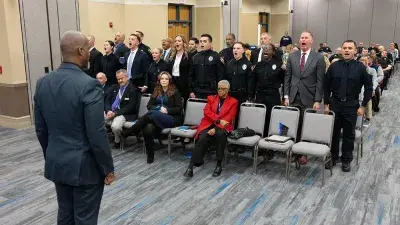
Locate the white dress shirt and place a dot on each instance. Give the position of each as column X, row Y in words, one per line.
column 175, row 68
column 166, row 52
column 130, row 62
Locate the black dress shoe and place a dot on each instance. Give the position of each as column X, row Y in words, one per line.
column 150, row 160
column 117, row 145
column 328, row 165
column 346, row 167
column 217, row 171
column 189, row 172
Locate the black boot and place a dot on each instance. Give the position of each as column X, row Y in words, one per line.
column 135, row 129
column 189, row 170
column 217, row 170
column 346, row 167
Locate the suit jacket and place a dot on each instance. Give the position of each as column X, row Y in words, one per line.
column 139, row 69
column 227, row 112
column 181, row 82
column 69, row 123
column 174, row 107
column 309, row 83
column 94, row 63
column 255, row 53
column 121, row 51
column 129, row 101
column 154, row 70
column 110, row 65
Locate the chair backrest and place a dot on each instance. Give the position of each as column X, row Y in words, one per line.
column 288, row 116
column 318, row 127
column 143, row 104
column 252, row 115
column 194, row 111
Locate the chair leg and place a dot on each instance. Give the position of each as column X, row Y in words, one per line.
column 362, row 141
column 169, row 145
column 289, row 165
column 144, row 149
column 358, row 154
column 255, row 159
column 122, row 141
column 323, row 169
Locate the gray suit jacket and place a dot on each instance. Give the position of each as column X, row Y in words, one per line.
column 309, row 83
column 69, row 122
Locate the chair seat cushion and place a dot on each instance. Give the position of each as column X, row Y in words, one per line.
column 128, row 124
column 312, row 149
column 270, row 145
column 183, row 133
column 246, row 141
column 166, row 131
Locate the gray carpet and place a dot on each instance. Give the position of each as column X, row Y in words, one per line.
column 159, row 194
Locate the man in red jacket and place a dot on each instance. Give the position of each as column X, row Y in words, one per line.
column 219, row 114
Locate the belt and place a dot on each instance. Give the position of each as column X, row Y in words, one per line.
column 345, row 99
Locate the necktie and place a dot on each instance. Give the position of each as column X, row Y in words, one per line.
column 117, row 101
column 343, row 81
column 302, row 61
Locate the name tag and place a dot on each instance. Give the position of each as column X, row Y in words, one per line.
column 127, row 99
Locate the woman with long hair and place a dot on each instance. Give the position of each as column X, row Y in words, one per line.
column 110, row 63
column 179, row 66
column 156, row 67
column 165, row 111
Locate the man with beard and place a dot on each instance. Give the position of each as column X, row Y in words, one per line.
column 227, row 53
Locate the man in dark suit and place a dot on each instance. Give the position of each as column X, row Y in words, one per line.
column 146, row 49
column 120, row 48
column 304, row 79
column 70, row 128
column 121, row 105
column 137, row 63
column 258, row 55
column 94, row 58
column 102, row 78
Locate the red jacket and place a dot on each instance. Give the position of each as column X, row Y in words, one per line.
column 227, row 112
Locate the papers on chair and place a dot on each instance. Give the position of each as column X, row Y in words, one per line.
column 183, row 128
column 278, row 139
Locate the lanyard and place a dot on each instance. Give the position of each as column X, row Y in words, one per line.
column 121, row 92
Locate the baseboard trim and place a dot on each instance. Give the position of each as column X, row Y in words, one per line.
column 15, row 122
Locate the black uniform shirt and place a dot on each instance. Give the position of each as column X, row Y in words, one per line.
column 357, row 76
column 237, row 72
column 266, row 76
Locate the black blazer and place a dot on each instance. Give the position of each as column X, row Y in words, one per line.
column 154, row 70
column 110, row 65
column 70, row 127
column 181, row 82
column 255, row 53
column 129, row 102
column 95, row 63
column 139, row 69
column 121, row 51
column 174, row 107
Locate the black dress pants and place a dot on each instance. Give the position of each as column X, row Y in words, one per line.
column 78, row 205
column 345, row 118
column 202, row 144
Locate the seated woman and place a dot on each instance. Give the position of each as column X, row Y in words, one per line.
column 165, row 111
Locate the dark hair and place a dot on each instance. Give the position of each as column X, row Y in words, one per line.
column 240, row 43
column 158, row 88
column 272, row 46
column 112, row 44
column 350, row 41
column 396, row 46
column 246, row 46
column 207, row 36
column 196, row 41
column 232, row 35
column 137, row 36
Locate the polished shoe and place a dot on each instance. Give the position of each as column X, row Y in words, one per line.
column 217, row 171
column 328, row 165
column 189, row 172
column 117, row 145
column 150, row 160
column 346, row 167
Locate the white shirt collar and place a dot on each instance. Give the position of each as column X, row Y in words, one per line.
column 307, row 52
column 91, row 49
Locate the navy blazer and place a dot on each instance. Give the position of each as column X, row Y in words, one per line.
column 130, row 102
column 70, row 126
column 139, row 69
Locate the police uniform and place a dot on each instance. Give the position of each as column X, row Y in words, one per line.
column 266, row 79
column 227, row 54
column 154, row 70
column 342, row 87
column 205, row 72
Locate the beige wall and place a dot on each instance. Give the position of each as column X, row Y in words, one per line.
column 279, row 6
column 256, row 6
column 249, row 28
column 12, row 54
column 279, row 24
column 208, row 20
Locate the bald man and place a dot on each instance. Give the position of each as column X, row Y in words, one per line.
column 120, row 48
column 69, row 122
